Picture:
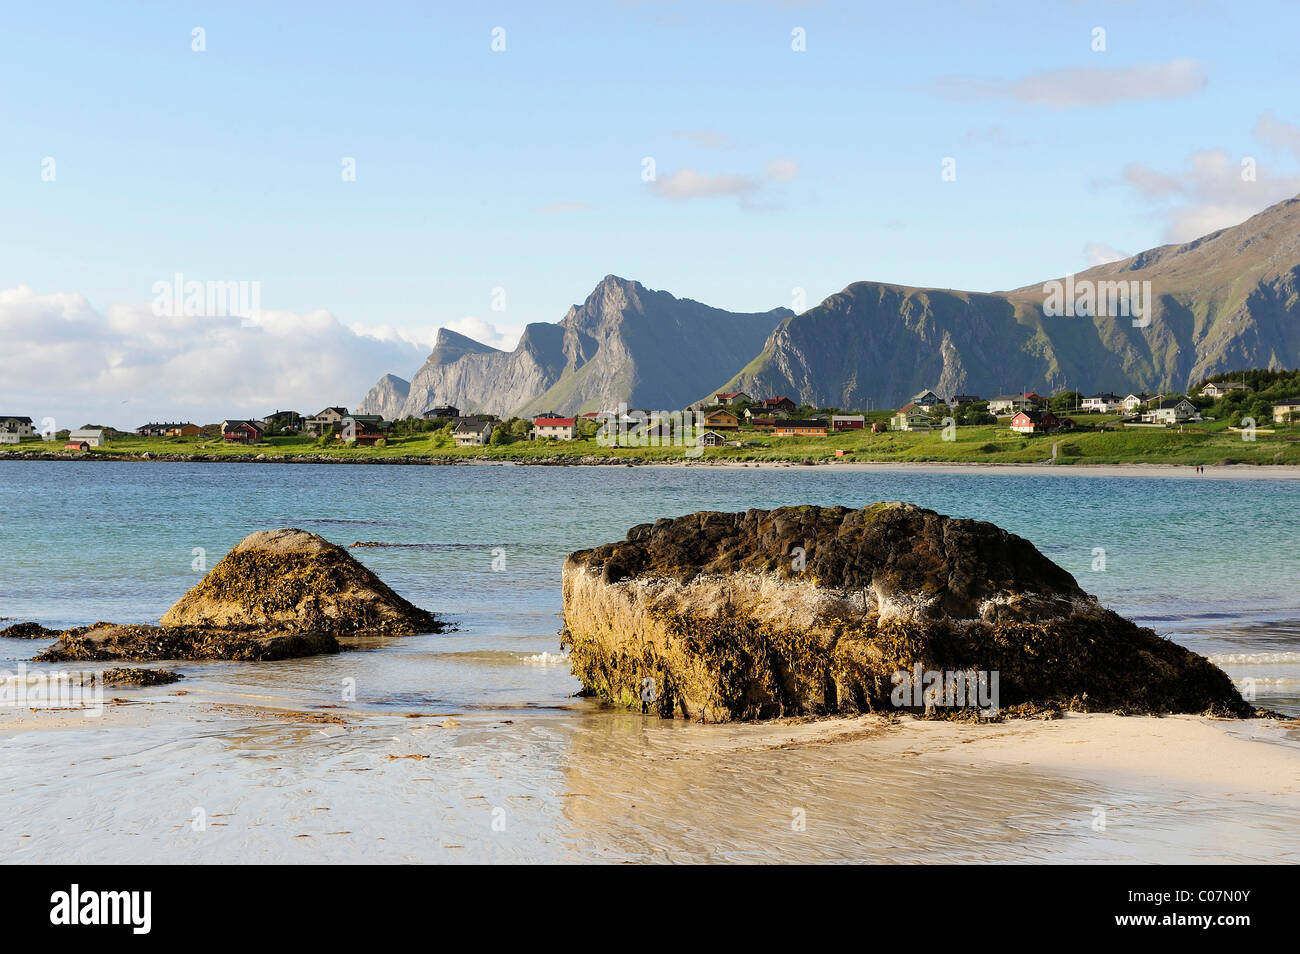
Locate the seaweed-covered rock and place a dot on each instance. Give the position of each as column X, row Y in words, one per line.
column 128, row 676
column 28, row 631
column 107, row 641
column 279, row 594
column 295, row 581
column 809, row 610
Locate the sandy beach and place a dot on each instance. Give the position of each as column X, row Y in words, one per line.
column 266, row 781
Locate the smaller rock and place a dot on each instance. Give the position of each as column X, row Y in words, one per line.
column 128, row 676
column 28, row 631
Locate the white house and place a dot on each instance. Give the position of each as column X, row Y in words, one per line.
column 471, row 432
column 1220, row 388
column 9, row 437
column 554, row 428
column 1172, row 411
column 22, row 426
column 1135, row 401
column 732, row 397
column 1010, row 403
column 1285, row 411
column 92, row 436
column 1103, row 403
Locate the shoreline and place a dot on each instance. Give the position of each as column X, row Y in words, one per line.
column 1154, row 469
column 604, row 786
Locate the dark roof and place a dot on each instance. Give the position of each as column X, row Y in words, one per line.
column 472, row 425
column 14, row 417
column 817, row 422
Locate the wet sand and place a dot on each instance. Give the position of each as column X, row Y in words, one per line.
column 579, row 782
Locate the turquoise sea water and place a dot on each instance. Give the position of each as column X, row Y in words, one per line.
column 1211, row 562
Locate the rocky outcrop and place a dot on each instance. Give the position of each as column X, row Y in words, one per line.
column 386, row 398
column 295, row 581
column 1225, row 301
column 28, row 631
column 813, row 611
column 278, row 594
column 624, row 343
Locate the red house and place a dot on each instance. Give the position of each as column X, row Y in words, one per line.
column 780, row 403
column 1035, row 422
column 242, row 432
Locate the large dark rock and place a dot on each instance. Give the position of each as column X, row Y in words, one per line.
column 809, row 610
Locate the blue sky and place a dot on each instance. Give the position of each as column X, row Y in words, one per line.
column 522, row 169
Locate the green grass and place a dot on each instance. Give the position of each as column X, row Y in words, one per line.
column 1207, row 443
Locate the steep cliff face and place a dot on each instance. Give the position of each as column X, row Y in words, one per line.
column 387, row 397
column 625, row 343
column 808, row 610
column 1227, row 300
column 476, row 378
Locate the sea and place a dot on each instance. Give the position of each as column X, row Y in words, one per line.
column 472, row 745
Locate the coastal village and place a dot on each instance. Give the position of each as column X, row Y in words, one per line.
column 728, row 419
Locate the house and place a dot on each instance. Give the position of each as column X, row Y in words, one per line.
column 780, row 404
column 365, row 429
column 289, row 422
column 848, row 422
column 93, row 436
column 1135, row 401
column 721, row 419
column 441, row 410
column 1219, row 388
column 326, row 420
column 1103, row 403
column 554, row 428
column 1010, row 403
column 76, row 445
column 793, row 428
column 185, row 429
column 732, row 397
column 9, row 437
column 910, row 417
column 961, row 399
column 1035, row 422
column 471, row 431
column 1172, row 411
column 711, row 439
column 1285, row 411
column 763, row 423
column 240, row 432
column 22, row 426
column 151, row 430
column 926, row 399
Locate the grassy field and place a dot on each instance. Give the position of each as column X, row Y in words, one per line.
column 1205, row 443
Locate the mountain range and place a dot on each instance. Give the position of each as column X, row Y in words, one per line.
column 1227, row 300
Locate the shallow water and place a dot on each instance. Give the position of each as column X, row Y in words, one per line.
column 1210, row 562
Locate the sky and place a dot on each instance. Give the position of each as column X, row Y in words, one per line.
column 378, row 171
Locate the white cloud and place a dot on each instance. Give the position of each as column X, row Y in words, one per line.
column 783, row 170
column 1208, row 194
column 1082, row 87
column 706, row 138
column 1097, row 253
column 687, row 183
column 487, row 333
column 124, row 366
column 1278, row 134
